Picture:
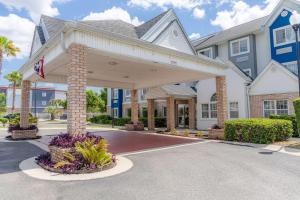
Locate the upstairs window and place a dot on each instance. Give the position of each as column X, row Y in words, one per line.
column 44, row 94
column 127, row 96
column 206, row 52
column 283, row 35
column 240, row 46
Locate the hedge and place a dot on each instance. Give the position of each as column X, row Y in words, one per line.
column 291, row 118
column 3, row 121
column 296, row 103
column 160, row 122
column 261, row 131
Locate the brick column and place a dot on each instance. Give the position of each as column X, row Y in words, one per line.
column 221, row 88
column 192, row 113
column 151, row 112
column 25, row 107
column 77, row 73
column 170, row 113
column 134, row 107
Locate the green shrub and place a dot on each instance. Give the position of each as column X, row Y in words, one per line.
column 14, row 119
column 3, row 121
column 296, row 103
column 261, row 131
column 291, row 118
column 121, row 121
column 160, row 122
column 101, row 119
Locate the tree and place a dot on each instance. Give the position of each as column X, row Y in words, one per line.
column 15, row 78
column 103, row 96
column 2, row 103
column 7, row 48
column 55, row 108
column 93, row 102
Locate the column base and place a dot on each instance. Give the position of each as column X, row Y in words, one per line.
column 135, row 127
column 24, row 134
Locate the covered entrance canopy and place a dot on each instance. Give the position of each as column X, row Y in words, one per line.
column 81, row 55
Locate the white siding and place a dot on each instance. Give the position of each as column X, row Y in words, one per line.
column 174, row 38
column 236, row 91
column 263, row 50
column 275, row 80
column 223, row 51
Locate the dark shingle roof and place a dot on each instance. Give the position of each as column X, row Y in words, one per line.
column 145, row 27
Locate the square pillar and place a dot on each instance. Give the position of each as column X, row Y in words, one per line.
column 222, row 104
column 170, row 113
column 151, row 112
column 77, row 78
column 134, row 107
column 192, row 113
column 25, row 107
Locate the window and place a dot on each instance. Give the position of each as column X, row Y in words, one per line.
column 44, row 94
column 283, row 35
column 292, row 66
column 234, row 110
column 209, row 110
column 127, row 96
column 206, row 52
column 278, row 107
column 116, row 94
column 248, row 72
column 143, row 93
column 116, row 113
column 44, row 103
column 240, row 46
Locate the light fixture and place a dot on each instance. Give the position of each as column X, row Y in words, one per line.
column 90, row 72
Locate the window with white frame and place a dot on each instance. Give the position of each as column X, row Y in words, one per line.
column 278, row 107
column 248, row 72
column 116, row 112
column 127, row 96
column 116, row 93
column 44, row 94
column 240, row 46
column 44, row 103
column 234, row 110
column 209, row 110
column 206, row 52
column 292, row 66
column 284, row 35
column 143, row 93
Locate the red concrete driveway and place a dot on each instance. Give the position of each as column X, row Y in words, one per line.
column 123, row 142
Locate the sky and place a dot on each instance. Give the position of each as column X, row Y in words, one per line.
column 199, row 17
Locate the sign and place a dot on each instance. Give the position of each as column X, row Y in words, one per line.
column 39, row 68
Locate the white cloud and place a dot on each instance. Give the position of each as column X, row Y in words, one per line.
column 199, row 13
column 19, row 30
column 242, row 12
column 112, row 14
column 194, row 36
column 34, row 7
column 186, row 4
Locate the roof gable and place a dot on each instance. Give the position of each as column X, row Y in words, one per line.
column 265, row 83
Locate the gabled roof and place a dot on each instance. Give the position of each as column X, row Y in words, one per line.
column 280, row 66
column 52, row 24
column 231, row 33
column 145, row 27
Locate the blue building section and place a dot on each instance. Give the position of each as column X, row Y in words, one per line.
column 42, row 99
column 117, row 102
column 282, row 53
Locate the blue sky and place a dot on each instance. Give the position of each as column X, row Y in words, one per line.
column 199, row 17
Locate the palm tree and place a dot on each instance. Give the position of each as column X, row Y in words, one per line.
column 7, row 48
column 15, row 78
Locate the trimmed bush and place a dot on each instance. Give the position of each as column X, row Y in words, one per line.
column 291, row 118
column 160, row 122
column 260, row 131
column 101, row 119
column 296, row 103
column 121, row 121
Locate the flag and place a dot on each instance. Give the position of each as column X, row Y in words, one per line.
column 39, row 68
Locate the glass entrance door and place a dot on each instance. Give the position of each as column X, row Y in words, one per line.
column 183, row 116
